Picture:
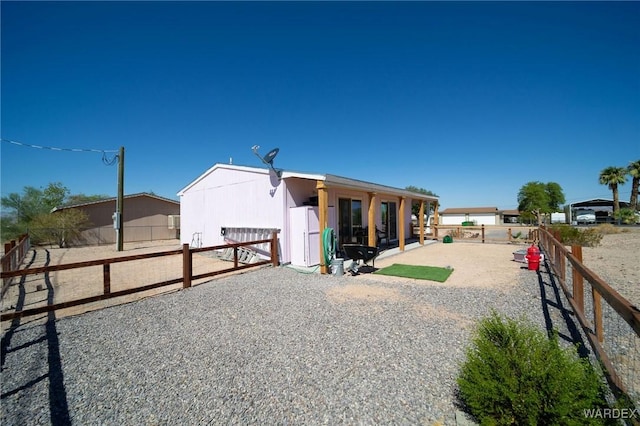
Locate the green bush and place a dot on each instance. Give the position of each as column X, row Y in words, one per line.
column 570, row 235
column 515, row 375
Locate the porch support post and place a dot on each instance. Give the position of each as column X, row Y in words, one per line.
column 421, row 223
column 323, row 213
column 436, row 220
column 402, row 225
column 372, row 220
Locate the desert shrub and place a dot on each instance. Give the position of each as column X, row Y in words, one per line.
column 454, row 233
column 570, row 235
column 626, row 216
column 607, row 229
column 514, row 374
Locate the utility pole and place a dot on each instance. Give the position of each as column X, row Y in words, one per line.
column 119, row 208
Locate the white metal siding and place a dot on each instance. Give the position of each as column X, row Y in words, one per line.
column 483, row 219
column 452, row 219
column 478, row 218
column 230, row 198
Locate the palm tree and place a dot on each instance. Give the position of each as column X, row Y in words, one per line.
column 612, row 177
column 634, row 171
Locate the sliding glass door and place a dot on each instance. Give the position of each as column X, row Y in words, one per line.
column 349, row 220
column 389, row 220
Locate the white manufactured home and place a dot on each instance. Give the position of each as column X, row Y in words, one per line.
column 230, row 203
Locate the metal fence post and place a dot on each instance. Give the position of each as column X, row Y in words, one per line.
column 274, row 249
column 187, row 266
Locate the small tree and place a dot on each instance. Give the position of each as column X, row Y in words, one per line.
column 539, row 198
column 60, row 228
column 19, row 210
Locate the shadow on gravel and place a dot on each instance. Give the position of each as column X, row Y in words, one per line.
column 58, row 404
column 566, row 325
column 6, row 338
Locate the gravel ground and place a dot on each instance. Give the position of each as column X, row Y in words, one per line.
column 271, row 346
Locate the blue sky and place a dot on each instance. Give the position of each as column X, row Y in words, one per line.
column 469, row 100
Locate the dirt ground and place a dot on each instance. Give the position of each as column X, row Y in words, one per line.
column 73, row 284
column 474, row 264
column 616, row 260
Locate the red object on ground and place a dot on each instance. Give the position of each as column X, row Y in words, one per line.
column 533, row 258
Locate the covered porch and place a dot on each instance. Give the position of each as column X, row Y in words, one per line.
column 370, row 214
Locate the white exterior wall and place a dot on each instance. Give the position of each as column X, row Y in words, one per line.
column 230, row 198
column 479, row 219
column 452, row 219
column 483, row 219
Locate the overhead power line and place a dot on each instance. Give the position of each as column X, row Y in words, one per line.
column 51, row 148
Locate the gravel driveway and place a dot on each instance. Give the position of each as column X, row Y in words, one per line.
column 270, row 346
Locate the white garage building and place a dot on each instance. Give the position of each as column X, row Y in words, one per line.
column 477, row 215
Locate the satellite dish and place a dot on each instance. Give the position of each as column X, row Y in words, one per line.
column 268, row 159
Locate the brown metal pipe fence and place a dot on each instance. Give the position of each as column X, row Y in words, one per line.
column 484, row 234
column 610, row 322
column 186, row 277
column 14, row 254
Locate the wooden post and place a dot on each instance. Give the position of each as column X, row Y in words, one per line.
column 323, row 213
column 235, row 257
column 597, row 314
column 401, row 235
column 578, row 280
column 274, row 249
column 106, row 278
column 421, row 238
column 483, row 233
column 371, row 211
column 436, row 218
column 187, row 266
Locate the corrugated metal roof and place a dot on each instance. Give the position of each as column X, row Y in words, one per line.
column 107, row 200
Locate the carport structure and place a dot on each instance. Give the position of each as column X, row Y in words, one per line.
column 601, row 206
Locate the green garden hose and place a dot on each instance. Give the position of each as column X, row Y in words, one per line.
column 328, row 245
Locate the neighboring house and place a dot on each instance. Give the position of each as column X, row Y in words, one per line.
column 477, row 215
column 147, row 217
column 230, row 203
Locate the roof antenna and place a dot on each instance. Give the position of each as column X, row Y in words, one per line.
column 268, row 159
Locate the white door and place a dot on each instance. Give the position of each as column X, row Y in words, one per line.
column 304, row 236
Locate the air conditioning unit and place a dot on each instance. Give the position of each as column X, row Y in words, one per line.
column 174, row 221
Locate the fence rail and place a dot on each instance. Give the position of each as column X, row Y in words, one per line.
column 610, row 322
column 14, row 254
column 187, row 276
column 483, row 234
